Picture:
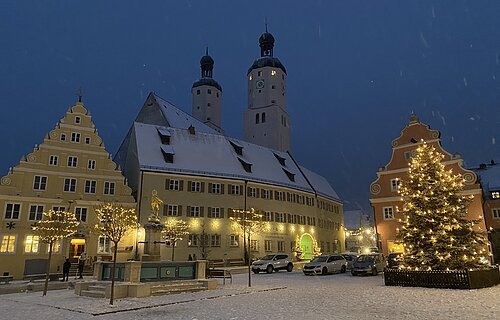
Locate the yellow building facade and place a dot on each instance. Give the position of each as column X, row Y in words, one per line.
column 70, row 170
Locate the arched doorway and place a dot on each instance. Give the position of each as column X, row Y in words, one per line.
column 306, row 245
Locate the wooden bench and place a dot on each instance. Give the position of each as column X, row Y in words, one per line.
column 52, row 276
column 6, row 279
column 220, row 273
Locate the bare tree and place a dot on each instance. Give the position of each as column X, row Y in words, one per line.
column 54, row 226
column 174, row 230
column 115, row 221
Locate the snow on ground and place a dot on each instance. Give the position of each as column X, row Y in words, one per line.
column 275, row 296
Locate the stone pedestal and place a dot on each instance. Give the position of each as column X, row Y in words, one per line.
column 153, row 241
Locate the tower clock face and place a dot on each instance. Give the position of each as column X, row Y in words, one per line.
column 260, row 84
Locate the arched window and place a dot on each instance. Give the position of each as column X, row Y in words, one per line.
column 257, row 118
column 263, row 117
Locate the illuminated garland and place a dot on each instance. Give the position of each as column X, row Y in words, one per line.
column 55, row 225
column 115, row 221
column 435, row 231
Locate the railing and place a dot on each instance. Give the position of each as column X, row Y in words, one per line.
column 460, row 279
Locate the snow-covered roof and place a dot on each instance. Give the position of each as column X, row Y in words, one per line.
column 490, row 177
column 319, row 183
column 355, row 219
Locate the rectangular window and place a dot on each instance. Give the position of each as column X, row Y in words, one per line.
column 104, row 245
column 77, row 120
column 63, row 137
column 215, row 240
column 31, row 244
column 70, row 185
column 40, row 183
column 75, row 137
column 173, row 185
column 216, row 188
column 194, row 211
column 172, row 210
column 252, row 192
column 8, row 244
column 279, row 217
column 109, row 188
column 395, row 184
column 195, row 186
column 91, row 165
column 81, row 214
column 259, row 73
column 266, row 194
column 36, row 212
column 215, row 212
column 280, row 196
column 193, row 240
column 72, row 161
column 254, row 245
column 12, row 211
column 496, row 213
column 90, row 186
column 268, row 216
column 267, row 245
column 53, row 160
column 495, row 195
column 87, row 140
column 281, row 246
column 234, row 240
column 236, row 190
column 388, row 213
column 58, row 208
column 410, row 154
column 56, row 247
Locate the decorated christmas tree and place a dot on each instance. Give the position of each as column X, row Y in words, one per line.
column 435, row 231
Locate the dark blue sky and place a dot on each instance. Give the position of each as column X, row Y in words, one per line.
column 356, row 69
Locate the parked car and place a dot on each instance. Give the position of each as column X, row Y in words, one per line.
column 273, row 262
column 371, row 263
column 350, row 257
column 394, row 259
column 325, row 265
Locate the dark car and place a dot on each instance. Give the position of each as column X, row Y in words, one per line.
column 368, row 264
column 394, row 259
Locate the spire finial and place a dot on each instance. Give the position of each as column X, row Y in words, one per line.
column 80, row 94
column 206, row 49
column 265, row 22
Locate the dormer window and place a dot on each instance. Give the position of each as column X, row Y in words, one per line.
column 280, row 159
column 168, row 153
column 290, row 175
column 164, row 135
column 237, row 148
column 246, row 166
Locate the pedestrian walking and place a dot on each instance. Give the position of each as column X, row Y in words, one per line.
column 66, row 267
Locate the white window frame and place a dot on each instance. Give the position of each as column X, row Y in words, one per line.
column 267, row 194
column 58, row 208
column 12, row 211
column 235, row 189
column 35, row 242
column 253, row 192
column 193, row 240
column 195, row 186
column 495, row 213
column 78, row 215
column 11, row 238
column 174, row 185
column 234, row 240
column 41, row 183
column 254, row 245
column 87, row 140
column 386, row 211
column 281, row 246
column 91, row 164
column 268, row 245
column 216, row 188
column 75, row 137
column 109, row 188
column 90, row 187
column 215, row 240
column 172, row 210
column 194, row 211
column 279, row 217
column 268, row 215
column 53, row 160
column 103, row 245
column 216, row 212
column 280, row 196
column 37, row 212
column 72, row 161
column 70, row 184
column 78, row 120
column 395, row 184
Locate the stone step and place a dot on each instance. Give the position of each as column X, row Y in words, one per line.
column 97, row 288
column 176, row 285
column 161, row 292
column 93, row 294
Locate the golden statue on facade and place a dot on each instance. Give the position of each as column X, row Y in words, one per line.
column 156, row 203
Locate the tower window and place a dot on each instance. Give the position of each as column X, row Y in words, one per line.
column 263, row 117
column 217, row 94
column 273, row 87
column 283, row 76
column 208, row 104
column 260, row 91
column 273, row 72
column 198, row 107
column 257, row 118
column 273, row 101
column 209, row 91
column 250, row 77
column 198, row 91
column 259, row 73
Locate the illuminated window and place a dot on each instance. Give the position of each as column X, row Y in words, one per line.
column 395, row 184
column 254, row 245
column 8, row 244
column 31, row 244
column 36, row 212
column 234, row 240
column 388, row 213
column 104, row 245
column 496, row 213
column 273, row 72
column 56, row 247
column 12, row 211
column 250, row 77
column 193, row 240
column 40, row 183
column 495, row 195
column 267, row 245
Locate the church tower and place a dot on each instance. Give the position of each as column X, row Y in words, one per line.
column 207, row 95
column 266, row 121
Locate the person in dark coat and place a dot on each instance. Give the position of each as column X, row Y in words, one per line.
column 190, row 258
column 66, row 267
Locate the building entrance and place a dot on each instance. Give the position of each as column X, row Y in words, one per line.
column 77, row 246
column 306, row 245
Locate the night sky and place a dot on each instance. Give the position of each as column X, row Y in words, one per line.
column 356, row 69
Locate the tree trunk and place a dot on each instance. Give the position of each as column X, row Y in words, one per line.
column 249, row 263
column 111, row 298
column 48, row 270
column 173, row 248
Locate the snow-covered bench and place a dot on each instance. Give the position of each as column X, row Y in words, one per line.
column 220, row 273
column 6, row 279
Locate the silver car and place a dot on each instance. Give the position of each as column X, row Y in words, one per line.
column 325, row 265
column 273, row 262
